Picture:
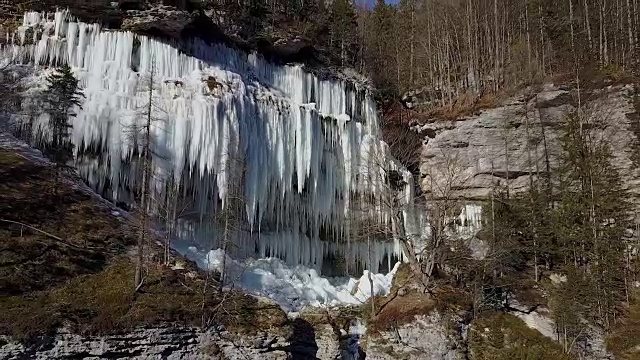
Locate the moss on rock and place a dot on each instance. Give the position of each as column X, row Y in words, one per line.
column 500, row 336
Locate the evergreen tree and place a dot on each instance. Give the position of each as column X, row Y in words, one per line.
column 61, row 97
column 592, row 216
column 578, row 232
column 344, row 34
column 380, row 54
column 506, row 233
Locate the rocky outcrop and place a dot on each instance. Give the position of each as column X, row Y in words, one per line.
column 506, row 144
column 425, row 338
column 151, row 343
column 164, row 20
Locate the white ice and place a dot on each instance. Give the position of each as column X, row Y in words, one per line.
column 292, row 287
column 294, row 147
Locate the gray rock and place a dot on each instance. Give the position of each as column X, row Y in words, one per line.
column 153, row 343
column 426, row 338
column 468, row 156
column 168, row 20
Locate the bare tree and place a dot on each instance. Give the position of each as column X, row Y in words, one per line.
column 441, row 183
column 141, row 138
column 144, row 187
column 397, row 199
column 170, row 209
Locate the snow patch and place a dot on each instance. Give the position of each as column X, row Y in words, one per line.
column 557, row 278
column 292, row 287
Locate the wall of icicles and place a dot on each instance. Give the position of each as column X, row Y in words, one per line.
column 226, row 125
column 286, row 156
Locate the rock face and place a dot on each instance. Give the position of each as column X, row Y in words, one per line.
column 468, row 156
column 164, row 20
column 153, row 343
column 426, row 338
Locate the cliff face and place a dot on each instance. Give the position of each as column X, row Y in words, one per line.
column 152, row 343
column 176, row 20
column 504, row 145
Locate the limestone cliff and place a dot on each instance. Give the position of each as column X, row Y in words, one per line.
column 505, row 144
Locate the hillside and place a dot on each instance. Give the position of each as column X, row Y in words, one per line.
column 66, row 262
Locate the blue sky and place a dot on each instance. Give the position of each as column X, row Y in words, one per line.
column 372, row 2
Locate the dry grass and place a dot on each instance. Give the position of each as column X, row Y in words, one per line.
column 394, row 309
column 398, row 310
column 105, row 303
column 500, row 336
column 467, row 105
column 81, row 277
column 30, row 260
column 402, row 278
column 464, row 106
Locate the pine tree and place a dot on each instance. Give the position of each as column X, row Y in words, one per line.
column 63, row 94
column 344, row 35
column 592, row 217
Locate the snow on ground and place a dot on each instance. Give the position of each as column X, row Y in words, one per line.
column 291, row 287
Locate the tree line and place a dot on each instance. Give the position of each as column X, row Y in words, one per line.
column 454, row 51
column 455, row 48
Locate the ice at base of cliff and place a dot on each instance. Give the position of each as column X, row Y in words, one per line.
column 292, row 287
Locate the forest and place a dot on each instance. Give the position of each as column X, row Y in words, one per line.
column 453, row 51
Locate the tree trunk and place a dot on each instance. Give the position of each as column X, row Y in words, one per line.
column 411, row 45
column 370, row 276
column 573, row 50
column 223, row 270
column 526, row 19
column 144, row 187
column 542, row 44
column 588, row 24
column 531, row 199
column 630, row 32
column 496, row 76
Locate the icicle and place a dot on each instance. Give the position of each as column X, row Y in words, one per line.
column 293, row 142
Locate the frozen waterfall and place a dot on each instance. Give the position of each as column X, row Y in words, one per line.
column 292, row 149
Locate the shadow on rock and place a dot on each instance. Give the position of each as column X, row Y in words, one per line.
column 303, row 341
